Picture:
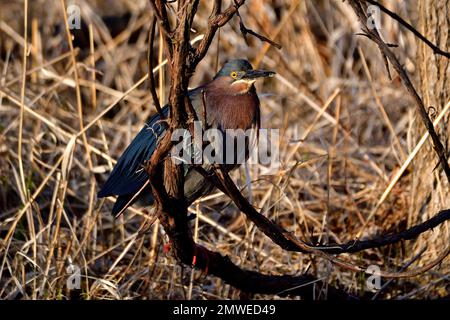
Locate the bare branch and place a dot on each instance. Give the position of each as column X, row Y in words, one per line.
column 150, row 68
column 245, row 31
column 159, row 9
column 216, row 8
column 402, row 22
column 216, row 20
column 422, row 110
column 287, row 241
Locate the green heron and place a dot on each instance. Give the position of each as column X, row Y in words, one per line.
column 229, row 101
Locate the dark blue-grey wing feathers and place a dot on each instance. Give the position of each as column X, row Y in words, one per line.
column 128, row 175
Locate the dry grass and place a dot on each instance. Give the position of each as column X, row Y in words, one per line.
column 346, row 132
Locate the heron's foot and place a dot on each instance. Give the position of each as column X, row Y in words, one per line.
column 200, row 252
column 167, row 247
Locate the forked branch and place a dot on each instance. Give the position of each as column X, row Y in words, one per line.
column 167, row 178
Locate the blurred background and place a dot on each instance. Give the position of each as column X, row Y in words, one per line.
column 346, row 130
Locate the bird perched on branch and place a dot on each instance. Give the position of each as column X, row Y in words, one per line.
column 229, row 101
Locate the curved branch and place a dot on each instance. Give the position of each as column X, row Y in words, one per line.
column 402, row 22
column 216, row 20
column 245, row 31
column 255, row 282
column 389, row 55
column 150, row 68
column 189, row 253
column 159, row 8
column 287, row 241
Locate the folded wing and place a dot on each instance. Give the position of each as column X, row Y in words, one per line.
column 128, row 175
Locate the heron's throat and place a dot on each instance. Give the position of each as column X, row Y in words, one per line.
column 242, row 86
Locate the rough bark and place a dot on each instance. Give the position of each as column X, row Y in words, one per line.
column 431, row 191
column 430, row 188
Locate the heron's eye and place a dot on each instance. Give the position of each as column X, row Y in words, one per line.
column 234, row 75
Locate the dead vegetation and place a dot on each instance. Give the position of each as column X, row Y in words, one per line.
column 346, row 131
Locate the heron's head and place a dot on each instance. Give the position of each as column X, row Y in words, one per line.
column 239, row 75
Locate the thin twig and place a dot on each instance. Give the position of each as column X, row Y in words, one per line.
column 402, row 22
column 216, row 20
column 151, row 77
column 245, row 31
column 422, row 110
column 404, row 267
column 159, row 8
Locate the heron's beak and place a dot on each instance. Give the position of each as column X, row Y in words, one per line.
column 255, row 74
